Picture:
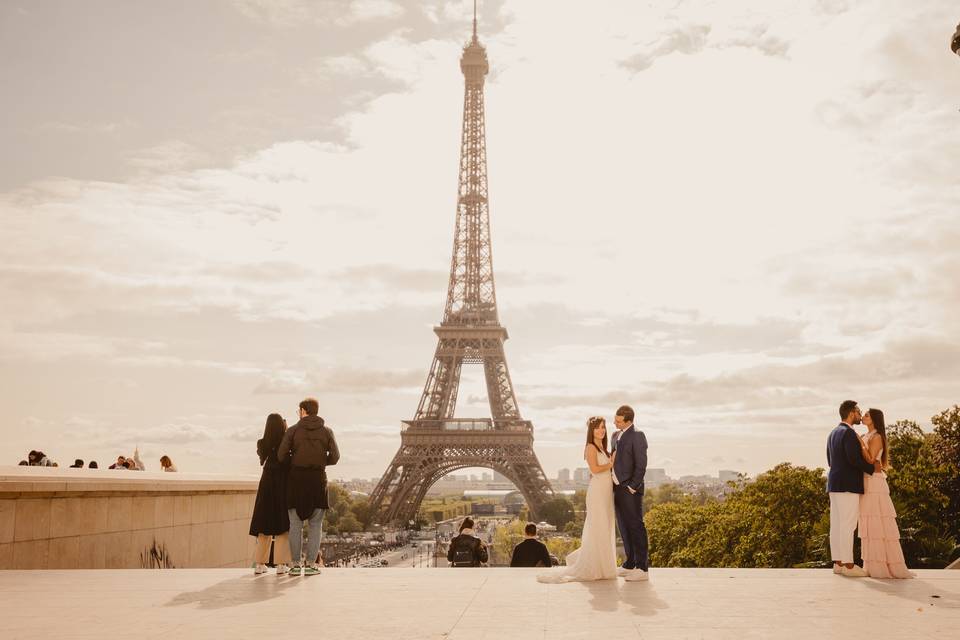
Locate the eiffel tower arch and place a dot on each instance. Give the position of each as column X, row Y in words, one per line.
column 435, row 443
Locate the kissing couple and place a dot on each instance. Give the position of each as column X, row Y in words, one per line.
column 614, row 495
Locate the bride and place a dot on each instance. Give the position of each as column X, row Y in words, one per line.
column 596, row 559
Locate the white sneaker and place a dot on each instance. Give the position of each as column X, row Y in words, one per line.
column 837, row 569
column 636, row 575
column 259, row 568
column 282, row 569
column 854, row 572
column 621, row 571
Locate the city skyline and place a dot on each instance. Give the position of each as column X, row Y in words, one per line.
column 732, row 221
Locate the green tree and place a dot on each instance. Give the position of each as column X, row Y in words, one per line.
column 362, row 512
column 917, row 481
column 671, row 526
column 661, row 495
column 770, row 522
column 776, row 516
column 946, row 453
column 505, row 538
column 349, row 524
column 557, row 511
column 561, row 546
column 575, row 527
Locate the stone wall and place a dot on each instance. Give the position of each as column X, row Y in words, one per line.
column 102, row 519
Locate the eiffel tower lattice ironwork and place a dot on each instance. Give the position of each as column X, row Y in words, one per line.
column 435, row 443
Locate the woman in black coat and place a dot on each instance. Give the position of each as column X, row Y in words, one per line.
column 270, row 517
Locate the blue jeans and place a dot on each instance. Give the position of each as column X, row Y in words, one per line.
column 313, row 536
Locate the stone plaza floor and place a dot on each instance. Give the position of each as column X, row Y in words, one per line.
column 475, row 604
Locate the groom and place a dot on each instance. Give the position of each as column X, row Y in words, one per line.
column 629, row 467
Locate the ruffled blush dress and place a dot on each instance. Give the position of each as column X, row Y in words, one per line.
column 879, row 534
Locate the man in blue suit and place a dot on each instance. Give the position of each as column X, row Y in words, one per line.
column 845, row 486
column 629, row 467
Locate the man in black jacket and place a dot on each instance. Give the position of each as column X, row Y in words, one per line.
column 310, row 447
column 531, row 552
column 845, row 486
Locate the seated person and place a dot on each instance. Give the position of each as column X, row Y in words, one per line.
column 531, row 552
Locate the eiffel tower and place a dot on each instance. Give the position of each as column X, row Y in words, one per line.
column 436, row 443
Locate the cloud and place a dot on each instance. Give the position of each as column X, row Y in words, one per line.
column 686, row 40
column 171, row 155
column 387, row 276
column 343, row 380
column 364, row 10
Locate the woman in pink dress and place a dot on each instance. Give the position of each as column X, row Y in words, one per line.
column 879, row 535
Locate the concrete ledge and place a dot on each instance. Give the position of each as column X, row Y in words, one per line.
column 52, row 518
column 55, row 481
column 476, row 604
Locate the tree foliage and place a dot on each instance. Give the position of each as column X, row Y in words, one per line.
column 560, row 546
column 557, row 511
column 347, row 513
column 946, row 453
column 771, row 522
column 505, row 538
column 919, row 480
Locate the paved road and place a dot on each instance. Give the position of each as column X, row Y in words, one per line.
column 414, row 557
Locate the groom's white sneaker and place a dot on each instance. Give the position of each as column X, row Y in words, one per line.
column 622, row 571
column 855, row 571
column 636, row 575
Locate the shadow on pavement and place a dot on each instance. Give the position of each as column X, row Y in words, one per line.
column 237, row 591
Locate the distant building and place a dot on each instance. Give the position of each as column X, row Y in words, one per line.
column 581, row 475
column 487, row 477
column 698, row 480
column 563, row 475
column 655, row 477
column 729, row 476
column 499, row 477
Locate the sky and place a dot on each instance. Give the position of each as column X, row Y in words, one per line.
column 731, row 216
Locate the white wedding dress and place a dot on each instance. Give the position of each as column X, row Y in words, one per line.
column 596, row 559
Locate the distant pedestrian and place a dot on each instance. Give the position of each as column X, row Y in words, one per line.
column 166, row 463
column 39, row 459
column 531, row 552
column 310, row 447
column 93, row 465
column 270, row 518
column 467, row 550
column 121, row 463
column 77, row 464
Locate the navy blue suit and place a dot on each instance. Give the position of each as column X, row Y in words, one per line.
column 845, row 458
column 629, row 467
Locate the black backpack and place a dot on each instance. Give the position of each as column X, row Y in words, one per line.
column 465, row 551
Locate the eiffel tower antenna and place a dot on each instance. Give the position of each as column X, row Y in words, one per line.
column 474, row 19
column 435, row 442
